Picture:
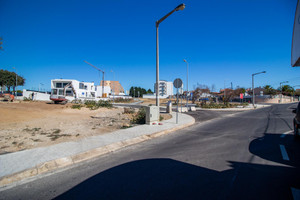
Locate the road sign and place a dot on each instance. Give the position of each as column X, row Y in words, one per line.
column 177, row 83
column 241, row 96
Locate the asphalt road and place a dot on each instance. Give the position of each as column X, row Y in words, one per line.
column 225, row 155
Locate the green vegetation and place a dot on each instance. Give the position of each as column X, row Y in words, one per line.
column 93, row 105
column 161, row 118
column 77, row 106
column 140, row 117
column 8, row 80
column 226, row 105
column 138, row 91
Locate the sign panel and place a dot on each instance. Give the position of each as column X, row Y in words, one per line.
column 295, row 60
column 177, row 83
column 241, row 96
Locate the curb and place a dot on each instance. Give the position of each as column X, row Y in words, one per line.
column 84, row 156
column 233, row 109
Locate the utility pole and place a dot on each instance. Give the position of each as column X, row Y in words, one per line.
column 253, row 95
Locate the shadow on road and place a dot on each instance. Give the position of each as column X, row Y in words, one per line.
column 268, row 147
column 171, row 179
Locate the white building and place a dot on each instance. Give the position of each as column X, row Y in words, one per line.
column 165, row 88
column 73, row 89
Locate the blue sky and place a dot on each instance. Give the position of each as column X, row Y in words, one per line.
column 223, row 41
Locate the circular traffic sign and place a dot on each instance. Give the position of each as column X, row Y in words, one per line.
column 177, row 83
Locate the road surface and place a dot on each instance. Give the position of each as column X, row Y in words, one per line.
column 225, row 155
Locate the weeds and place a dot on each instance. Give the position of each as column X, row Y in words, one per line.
column 140, row 117
column 76, row 106
column 129, row 110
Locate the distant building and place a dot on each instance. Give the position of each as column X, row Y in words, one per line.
column 73, row 89
column 165, row 88
column 115, row 87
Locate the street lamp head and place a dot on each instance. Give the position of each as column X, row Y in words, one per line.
column 180, row 7
column 184, row 60
column 264, row 72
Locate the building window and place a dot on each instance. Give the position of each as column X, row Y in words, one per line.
column 60, row 92
column 65, row 84
column 54, row 92
column 69, row 93
column 81, row 86
column 58, row 85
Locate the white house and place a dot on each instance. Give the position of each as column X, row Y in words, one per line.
column 73, row 89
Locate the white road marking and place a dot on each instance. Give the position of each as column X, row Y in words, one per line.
column 284, row 134
column 284, row 153
column 296, row 193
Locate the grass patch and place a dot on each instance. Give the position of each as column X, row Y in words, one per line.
column 77, row 106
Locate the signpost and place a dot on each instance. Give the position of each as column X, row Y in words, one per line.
column 241, row 97
column 177, row 84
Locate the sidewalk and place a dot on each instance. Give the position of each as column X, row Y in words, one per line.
column 24, row 164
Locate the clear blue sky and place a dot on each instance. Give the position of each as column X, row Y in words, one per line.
column 222, row 41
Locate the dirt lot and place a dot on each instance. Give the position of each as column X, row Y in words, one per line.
column 28, row 125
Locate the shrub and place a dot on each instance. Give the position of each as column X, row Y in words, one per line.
column 93, row 105
column 76, row 106
column 161, row 118
column 140, row 117
column 27, row 99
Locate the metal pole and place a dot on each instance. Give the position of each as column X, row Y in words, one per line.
column 253, row 95
column 280, row 93
column 187, row 83
column 181, row 98
column 177, row 108
column 157, row 67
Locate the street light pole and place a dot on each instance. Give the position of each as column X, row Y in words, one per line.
column 187, row 81
column 180, row 7
column 253, row 95
column 281, row 90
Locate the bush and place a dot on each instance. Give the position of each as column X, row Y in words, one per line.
column 76, row 106
column 93, row 105
column 140, row 117
column 27, row 99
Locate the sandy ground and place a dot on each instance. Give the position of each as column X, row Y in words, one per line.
column 26, row 125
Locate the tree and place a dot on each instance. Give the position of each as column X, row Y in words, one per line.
column 149, row 91
column 199, row 91
column 137, row 91
column 8, row 80
column 269, row 90
column 287, row 90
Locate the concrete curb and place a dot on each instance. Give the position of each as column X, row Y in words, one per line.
column 233, row 109
column 74, row 159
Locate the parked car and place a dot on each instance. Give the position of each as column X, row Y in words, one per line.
column 296, row 121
